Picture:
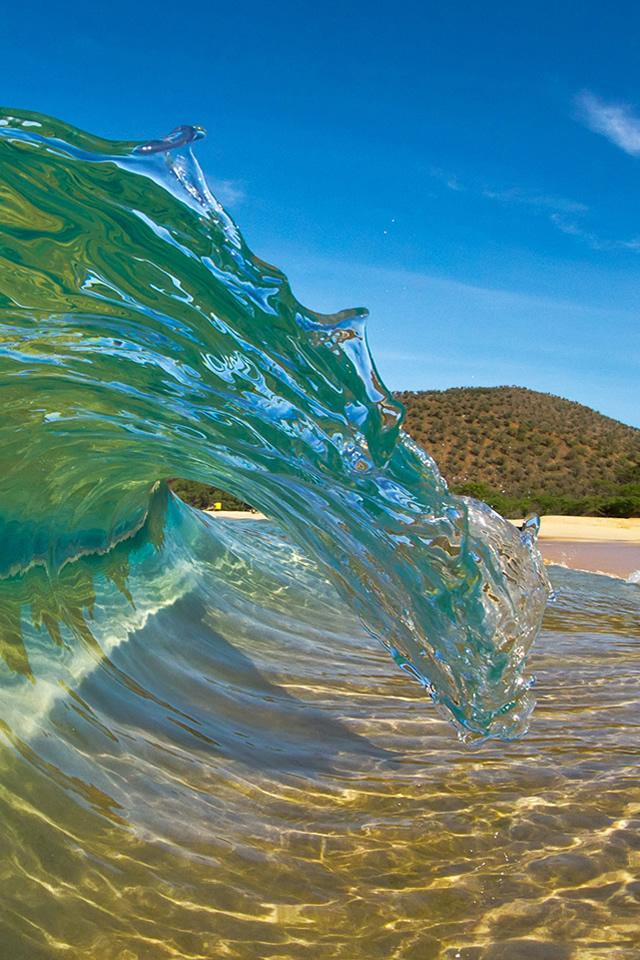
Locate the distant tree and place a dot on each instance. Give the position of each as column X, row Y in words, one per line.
column 515, row 440
column 203, row 496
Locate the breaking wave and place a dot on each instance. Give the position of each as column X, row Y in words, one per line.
column 141, row 339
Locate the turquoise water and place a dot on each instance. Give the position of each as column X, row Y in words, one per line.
column 204, row 750
column 141, row 339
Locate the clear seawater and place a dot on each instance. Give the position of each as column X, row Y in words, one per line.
column 205, row 751
column 244, row 777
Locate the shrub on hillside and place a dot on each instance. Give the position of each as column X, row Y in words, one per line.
column 202, row 496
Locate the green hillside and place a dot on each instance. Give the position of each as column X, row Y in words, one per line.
column 521, row 450
column 202, row 495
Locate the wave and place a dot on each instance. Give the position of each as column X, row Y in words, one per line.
column 141, row 339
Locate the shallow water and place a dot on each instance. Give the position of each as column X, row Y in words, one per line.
column 268, row 788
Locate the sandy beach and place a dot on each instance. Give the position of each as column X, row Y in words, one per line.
column 602, row 545
column 237, row 514
column 596, row 544
column 590, row 529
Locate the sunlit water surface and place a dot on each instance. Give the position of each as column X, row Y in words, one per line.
column 232, row 781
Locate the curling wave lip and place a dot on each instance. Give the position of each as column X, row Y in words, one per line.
column 178, row 137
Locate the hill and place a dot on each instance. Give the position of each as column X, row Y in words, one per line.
column 522, row 450
column 519, row 450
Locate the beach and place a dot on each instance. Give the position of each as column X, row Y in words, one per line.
column 605, row 545
column 591, row 529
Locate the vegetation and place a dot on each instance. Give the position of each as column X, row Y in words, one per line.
column 519, row 450
column 203, row 496
column 523, row 451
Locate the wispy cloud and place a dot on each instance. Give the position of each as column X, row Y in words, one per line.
column 454, row 184
column 615, row 121
column 450, row 180
column 566, row 215
column 568, row 226
column 536, row 200
column 511, row 195
column 228, row 192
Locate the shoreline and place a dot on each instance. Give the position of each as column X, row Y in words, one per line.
column 604, row 545
column 589, row 529
column 574, row 529
column 610, row 558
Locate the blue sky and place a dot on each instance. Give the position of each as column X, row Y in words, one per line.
column 467, row 171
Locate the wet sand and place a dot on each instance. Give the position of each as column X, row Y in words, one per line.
column 613, row 558
column 604, row 545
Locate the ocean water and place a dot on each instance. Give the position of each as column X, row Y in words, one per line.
column 206, row 749
column 243, row 776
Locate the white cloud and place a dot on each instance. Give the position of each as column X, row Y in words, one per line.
column 454, row 184
column 449, row 179
column 563, row 213
column 228, row 192
column 615, row 121
column 592, row 239
column 511, row 195
column 536, row 200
